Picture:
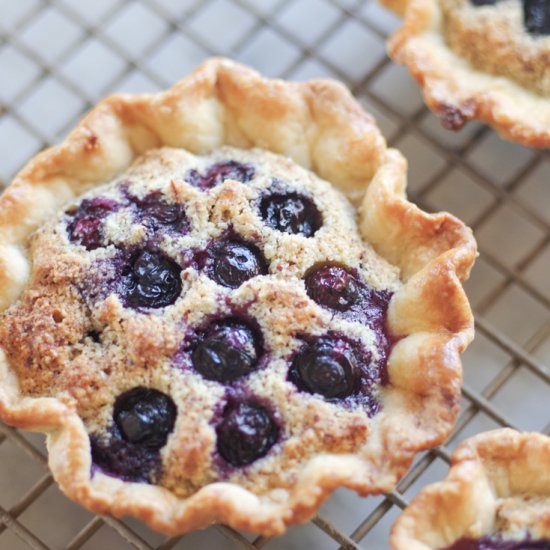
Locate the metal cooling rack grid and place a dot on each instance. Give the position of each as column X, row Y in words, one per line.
column 58, row 57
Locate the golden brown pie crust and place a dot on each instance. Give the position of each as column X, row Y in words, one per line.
column 320, row 126
column 499, row 482
column 477, row 63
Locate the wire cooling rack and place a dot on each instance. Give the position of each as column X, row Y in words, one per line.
column 58, row 57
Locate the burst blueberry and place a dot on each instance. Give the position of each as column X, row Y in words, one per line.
column 158, row 214
column 246, row 433
column 87, row 225
column 219, row 172
column 333, row 286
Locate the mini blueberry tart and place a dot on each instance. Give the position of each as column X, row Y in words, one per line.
column 219, row 305
column 480, row 59
column 495, row 497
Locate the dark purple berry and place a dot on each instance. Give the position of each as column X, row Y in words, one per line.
column 246, row 433
column 87, row 231
column 158, row 214
column 228, row 350
column 291, row 213
column 326, row 367
column 219, row 172
column 122, row 459
column 151, row 280
column 484, row 2
column 234, row 263
column 145, row 417
column 536, row 16
column 333, row 286
column 496, row 543
column 87, row 226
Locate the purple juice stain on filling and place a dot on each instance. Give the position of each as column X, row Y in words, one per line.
column 158, row 215
column 143, row 418
column 291, row 213
column 217, row 173
column 86, row 228
column 150, row 280
column 227, row 350
column 246, row 432
column 494, row 543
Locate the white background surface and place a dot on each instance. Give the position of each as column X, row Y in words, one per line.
column 58, row 58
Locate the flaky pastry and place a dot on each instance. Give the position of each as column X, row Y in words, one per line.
column 219, row 305
column 480, row 59
column 495, row 497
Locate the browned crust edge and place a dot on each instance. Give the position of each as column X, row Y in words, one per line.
column 322, row 127
column 457, row 92
column 489, row 465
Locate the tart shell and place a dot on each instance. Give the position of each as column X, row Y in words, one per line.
column 324, row 129
column 454, row 89
column 485, row 471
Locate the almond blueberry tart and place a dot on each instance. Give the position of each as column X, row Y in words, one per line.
column 219, row 305
column 480, row 59
column 496, row 497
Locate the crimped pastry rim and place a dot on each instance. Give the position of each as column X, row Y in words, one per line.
column 515, row 112
column 482, row 468
column 430, row 315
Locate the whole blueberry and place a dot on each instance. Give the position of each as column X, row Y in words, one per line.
column 536, row 16
column 326, row 367
column 246, row 433
column 291, row 213
column 145, row 417
column 483, row 2
column 235, row 262
column 217, row 173
column 151, row 280
column 228, row 350
column 333, row 286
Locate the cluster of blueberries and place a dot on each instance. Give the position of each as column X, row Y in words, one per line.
column 229, row 349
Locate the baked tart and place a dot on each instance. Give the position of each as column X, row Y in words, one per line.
column 219, row 305
column 495, row 497
column 480, row 59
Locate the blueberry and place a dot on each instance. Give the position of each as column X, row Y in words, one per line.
column 87, row 231
column 219, row 172
column 158, row 214
column 234, row 263
column 151, row 280
column 87, row 226
column 246, row 433
column 326, row 367
column 536, row 16
column 484, row 2
column 145, row 417
column 228, row 350
column 332, row 286
column 119, row 458
column 291, row 213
